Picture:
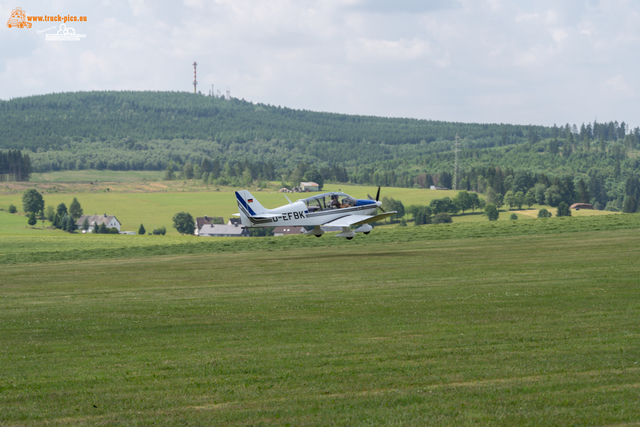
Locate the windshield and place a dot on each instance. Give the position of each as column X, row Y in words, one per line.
column 335, row 200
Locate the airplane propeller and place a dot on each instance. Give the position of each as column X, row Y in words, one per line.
column 377, row 199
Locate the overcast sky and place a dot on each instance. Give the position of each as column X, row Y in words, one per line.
column 490, row 61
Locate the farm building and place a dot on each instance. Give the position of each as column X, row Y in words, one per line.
column 204, row 220
column 578, row 206
column 284, row 231
column 222, row 230
column 309, row 186
column 234, row 221
column 110, row 221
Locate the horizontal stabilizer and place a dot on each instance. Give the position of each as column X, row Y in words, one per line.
column 266, row 216
column 349, row 220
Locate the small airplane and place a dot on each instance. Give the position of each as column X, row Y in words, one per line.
column 334, row 209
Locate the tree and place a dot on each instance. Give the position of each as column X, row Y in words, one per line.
column 50, row 213
column 169, row 175
column 12, row 209
column 513, row 216
column 32, row 201
column 491, row 195
column 72, row 226
column 64, row 222
column 85, row 224
column 510, row 199
column 96, row 228
column 187, row 170
column 442, row 218
column 491, row 212
column 498, row 202
column 518, row 199
column 475, row 201
column 543, row 213
column 314, row 176
column 529, row 198
column 552, row 196
column 141, row 230
column 464, row 201
column 184, row 223
column 583, row 191
column 390, row 204
column 422, row 215
column 32, row 219
column 75, row 210
column 630, row 204
column 563, row 209
column 61, row 210
column 539, row 192
column 160, row 231
column 102, row 229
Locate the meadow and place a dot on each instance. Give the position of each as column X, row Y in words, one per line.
column 154, row 203
column 463, row 324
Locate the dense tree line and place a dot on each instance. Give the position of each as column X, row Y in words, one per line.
column 50, row 121
column 236, row 142
column 14, row 166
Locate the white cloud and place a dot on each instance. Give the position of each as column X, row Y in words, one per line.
column 387, row 49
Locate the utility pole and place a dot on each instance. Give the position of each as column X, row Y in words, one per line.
column 456, row 168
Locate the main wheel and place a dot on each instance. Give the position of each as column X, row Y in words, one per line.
column 349, row 238
column 318, row 235
column 367, row 232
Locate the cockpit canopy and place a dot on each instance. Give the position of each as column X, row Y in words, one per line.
column 334, row 200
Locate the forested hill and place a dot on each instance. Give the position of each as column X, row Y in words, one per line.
column 49, row 121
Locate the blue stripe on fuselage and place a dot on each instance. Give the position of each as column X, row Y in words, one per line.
column 364, row 202
column 243, row 203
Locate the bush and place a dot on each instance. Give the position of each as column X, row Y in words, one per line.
column 421, row 215
column 442, row 218
column 543, row 213
column 514, row 216
column 563, row 209
column 491, row 211
column 12, row 209
column 113, row 230
column 160, row 231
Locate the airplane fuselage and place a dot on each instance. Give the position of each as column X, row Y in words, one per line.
column 297, row 214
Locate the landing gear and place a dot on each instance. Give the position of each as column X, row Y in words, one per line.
column 318, row 235
column 349, row 238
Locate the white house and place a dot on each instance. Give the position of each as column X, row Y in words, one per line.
column 110, row 221
column 222, row 230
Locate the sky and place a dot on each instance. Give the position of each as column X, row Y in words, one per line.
column 482, row 61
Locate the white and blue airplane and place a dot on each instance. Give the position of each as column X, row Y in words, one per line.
column 335, row 209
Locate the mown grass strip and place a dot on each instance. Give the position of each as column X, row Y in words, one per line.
column 23, row 249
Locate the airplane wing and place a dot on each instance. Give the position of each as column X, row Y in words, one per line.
column 349, row 220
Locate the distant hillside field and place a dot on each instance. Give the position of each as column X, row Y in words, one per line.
column 156, row 209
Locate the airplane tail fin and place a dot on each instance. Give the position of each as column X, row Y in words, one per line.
column 248, row 206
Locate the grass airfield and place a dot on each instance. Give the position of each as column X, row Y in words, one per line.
column 509, row 323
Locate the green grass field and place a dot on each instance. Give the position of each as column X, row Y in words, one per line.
column 513, row 323
column 134, row 203
column 95, row 176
